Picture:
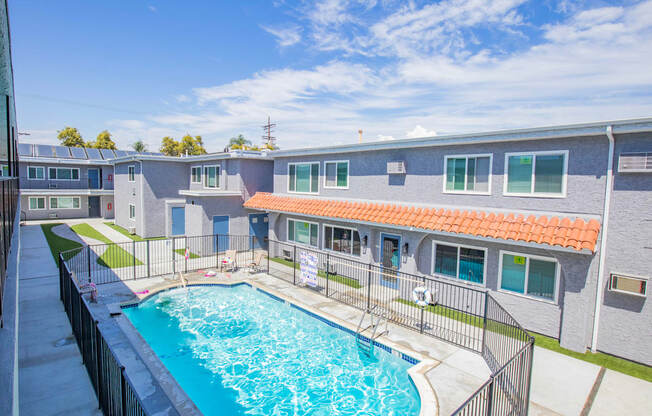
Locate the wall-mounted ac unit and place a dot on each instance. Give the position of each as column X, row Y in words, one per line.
column 635, row 162
column 53, row 186
column 132, row 230
column 396, row 167
column 54, row 215
column 630, row 285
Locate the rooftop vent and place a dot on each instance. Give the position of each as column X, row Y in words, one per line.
column 396, row 167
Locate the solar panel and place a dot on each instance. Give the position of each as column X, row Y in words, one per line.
column 44, row 150
column 128, row 152
column 107, row 154
column 62, row 152
column 24, row 149
column 120, row 153
column 77, row 152
column 94, row 153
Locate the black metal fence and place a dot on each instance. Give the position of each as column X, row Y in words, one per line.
column 114, row 390
column 8, row 206
column 460, row 314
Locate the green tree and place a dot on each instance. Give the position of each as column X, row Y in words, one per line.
column 139, row 146
column 104, row 141
column 71, row 137
column 239, row 143
column 169, row 146
column 191, row 145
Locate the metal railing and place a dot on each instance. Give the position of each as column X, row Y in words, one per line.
column 8, row 205
column 115, row 392
column 464, row 315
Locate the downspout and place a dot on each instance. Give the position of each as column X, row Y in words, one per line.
column 603, row 240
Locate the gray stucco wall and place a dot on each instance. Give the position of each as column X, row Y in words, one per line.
column 126, row 193
column 256, row 176
column 625, row 320
column 81, row 212
column 425, row 168
column 82, row 183
column 200, row 212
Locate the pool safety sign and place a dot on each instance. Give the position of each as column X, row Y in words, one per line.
column 308, row 268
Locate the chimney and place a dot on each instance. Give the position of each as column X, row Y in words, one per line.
column 360, row 136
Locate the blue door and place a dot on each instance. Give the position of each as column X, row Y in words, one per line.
column 390, row 257
column 94, row 178
column 221, row 232
column 178, row 220
column 258, row 228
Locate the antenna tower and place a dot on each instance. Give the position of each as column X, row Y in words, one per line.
column 268, row 139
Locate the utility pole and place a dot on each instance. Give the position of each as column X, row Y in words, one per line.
column 268, row 139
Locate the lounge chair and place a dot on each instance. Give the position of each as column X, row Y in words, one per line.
column 229, row 261
column 256, row 265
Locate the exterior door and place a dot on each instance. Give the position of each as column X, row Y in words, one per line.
column 94, row 207
column 94, row 178
column 178, row 221
column 390, row 255
column 221, row 233
column 259, row 228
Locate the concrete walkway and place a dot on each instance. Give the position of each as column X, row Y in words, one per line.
column 52, row 378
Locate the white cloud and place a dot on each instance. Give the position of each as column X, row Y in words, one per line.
column 384, row 138
column 285, row 36
column 419, row 131
column 183, row 98
column 152, row 9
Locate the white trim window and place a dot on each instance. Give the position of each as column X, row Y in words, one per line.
column 4, row 171
column 195, row 174
column 37, row 203
column 63, row 174
column 342, row 240
column 303, row 232
column 132, row 212
column 65, row 202
column 212, row 176
column 303, row 178
column 35, row 173
column 468, row 174
column 540, row 174
column 455, row 261
column 529, row 275
column 336, row 174
column 131, row 173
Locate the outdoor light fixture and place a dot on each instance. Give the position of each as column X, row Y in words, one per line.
column 405, row 248
column 364, row 241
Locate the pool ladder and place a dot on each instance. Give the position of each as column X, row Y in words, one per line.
column 364, row 343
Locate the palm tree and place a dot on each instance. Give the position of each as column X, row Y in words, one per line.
column 239, row 143
column 139, row 146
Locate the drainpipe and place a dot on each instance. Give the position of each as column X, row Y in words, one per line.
column 603, row 240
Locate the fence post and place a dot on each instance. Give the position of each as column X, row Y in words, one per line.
column 423, row 308
column 98, row 364
column 294, row 266
column 88, row 258
column 369, row 287
column 251, row 247
column 217, row 250
column 123, row 391
column 174, row 258
column 148, row 267
column 268, row 256
column 484, row 324
column 60, row 278
column 490, row 398
column 184, row 254
column 133, row 253
column 328, row 267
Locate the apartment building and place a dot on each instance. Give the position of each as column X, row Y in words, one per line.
column 554, row 221
column 66, row 182
column 195, row 195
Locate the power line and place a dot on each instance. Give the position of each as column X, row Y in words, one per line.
column 268, row 139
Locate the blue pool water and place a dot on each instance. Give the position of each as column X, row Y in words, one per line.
column 236, row 351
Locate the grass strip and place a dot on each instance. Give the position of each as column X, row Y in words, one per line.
column 446, row 312
column 114, row 256
column 126, row 233
column 332, row 277
column 58, row 244
column 182, row 251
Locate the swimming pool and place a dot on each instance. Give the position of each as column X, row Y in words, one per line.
column 235, row 351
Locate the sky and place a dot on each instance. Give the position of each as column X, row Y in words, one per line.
column 322, row 70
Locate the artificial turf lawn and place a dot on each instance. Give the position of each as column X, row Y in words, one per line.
column 58, row 244
column 126, row 233
column 182, row 251
column 332, row 277
column 114, row 256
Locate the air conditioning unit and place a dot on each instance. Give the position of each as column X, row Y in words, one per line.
column 53, row 186
column 54, row 215
column 132, row 230
column 631, row 285
column 396, row 167
column 635, row 162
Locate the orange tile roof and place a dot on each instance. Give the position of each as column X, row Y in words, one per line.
column 555, row 231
